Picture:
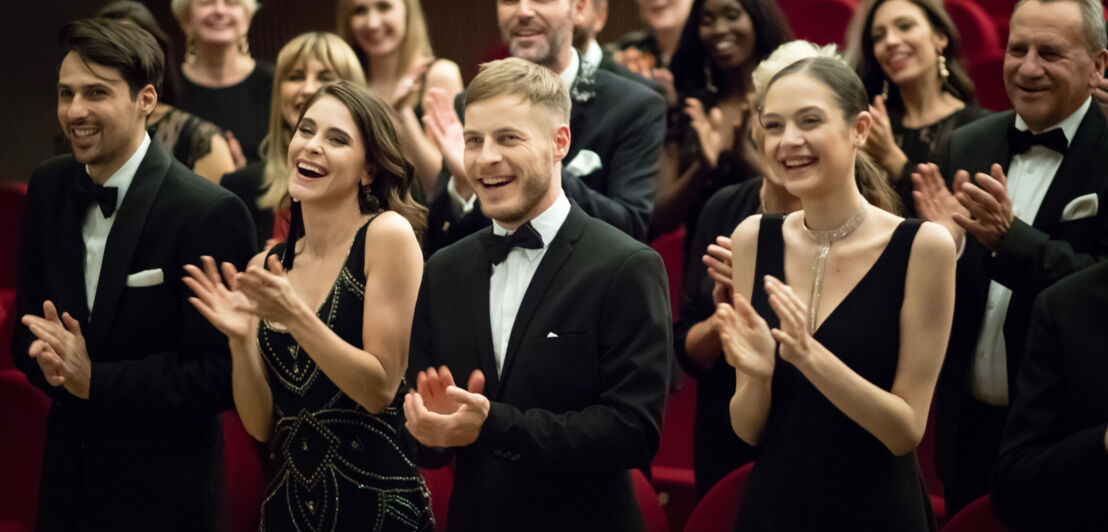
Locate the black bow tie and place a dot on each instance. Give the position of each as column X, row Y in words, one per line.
column 86, row 192
column 498, row 246
column 1021, row 141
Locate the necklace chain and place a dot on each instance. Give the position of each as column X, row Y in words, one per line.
column 824, row 239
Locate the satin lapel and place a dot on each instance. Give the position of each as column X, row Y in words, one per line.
column 479, row 274
column 122, row 241
column 560, row 249
column 69, row 250
column 1077, row 167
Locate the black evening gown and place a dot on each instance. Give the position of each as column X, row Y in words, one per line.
column 817, row 469
column 337, row 466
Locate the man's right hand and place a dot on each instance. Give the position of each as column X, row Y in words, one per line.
column 444, row 128
column 935, row 202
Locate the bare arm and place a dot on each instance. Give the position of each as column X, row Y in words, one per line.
column 897, row 417
column 217, row 162
column 420, row 149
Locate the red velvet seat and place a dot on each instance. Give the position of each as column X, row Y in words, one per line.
column 244, row 474
column 7, row 327
column 988, row 76
column 717, row 510
column 977, row 517
column 440, row 482
column 652, row 513
column 671, row 247
column 820, row 21
column 979, row 34
column 12, row 198
column 23, row 411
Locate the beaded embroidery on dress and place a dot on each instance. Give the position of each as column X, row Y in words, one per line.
column 337, row 466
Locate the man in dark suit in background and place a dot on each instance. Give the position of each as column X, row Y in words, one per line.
column 585, row 30
column 1031, row 214
column 618, row 128
column 563, row 325
column 137, row 377
column 1052, row 472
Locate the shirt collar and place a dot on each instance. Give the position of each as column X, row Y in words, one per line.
column 547, row 223
column 569, row 75
column 123, row 177
column 1069, row 125
column 593, row 54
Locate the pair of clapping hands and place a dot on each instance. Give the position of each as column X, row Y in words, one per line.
column 233, row 301
column 440, row 414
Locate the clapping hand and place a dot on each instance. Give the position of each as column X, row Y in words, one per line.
column 60, row 350
column 444, row 128
column 792, row 334
column 747, row 343
column 407, row 88
column 269, row 294
column 440, row 414
column 988, row 206
column 937, row 204
column 880, row 144
column 715, row 136
column 221, row 304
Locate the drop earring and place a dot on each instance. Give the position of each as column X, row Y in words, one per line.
column 885, row 90
column 944, row 73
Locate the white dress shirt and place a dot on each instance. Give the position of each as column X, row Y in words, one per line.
column 593, row 54
column 510, row 279
column 464, row 205
column 1029, row 177
column 95, row 227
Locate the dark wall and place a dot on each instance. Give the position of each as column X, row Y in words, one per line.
column 464, row 31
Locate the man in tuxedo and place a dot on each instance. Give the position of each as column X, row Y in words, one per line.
column 586, row 28
column 1027, row 218
column 618, row 128
column 1052, row 473
column 137, row 377
column 561, row 321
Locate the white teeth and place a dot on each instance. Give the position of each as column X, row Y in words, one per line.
column 725, row 45
column 311, row 167
column 793, row 163
column 492, row 181
column 83, row 132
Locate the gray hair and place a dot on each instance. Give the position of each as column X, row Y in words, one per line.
column 1092, row 22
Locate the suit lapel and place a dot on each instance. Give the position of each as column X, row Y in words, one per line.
column 479, row 312
column 123, row 239
column 560, row 249
column 1076, row 168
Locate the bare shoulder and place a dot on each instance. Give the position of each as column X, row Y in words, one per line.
column 390, row 237
column 445, row 74
column 258, row 260
column 933, row 245
column 746, row 233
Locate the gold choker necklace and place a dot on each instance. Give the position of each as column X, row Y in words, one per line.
column 824, row 239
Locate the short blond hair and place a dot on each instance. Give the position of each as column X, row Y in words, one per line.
column 518, row 77
column 181, row 8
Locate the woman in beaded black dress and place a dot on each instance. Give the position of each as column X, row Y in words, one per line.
column 841, row 317
column 319, row 327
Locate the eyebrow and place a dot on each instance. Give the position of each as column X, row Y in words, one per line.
column 808, row 109
column 508, row 129
column 102, row 86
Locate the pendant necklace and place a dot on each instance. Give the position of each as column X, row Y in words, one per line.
column 824, row 239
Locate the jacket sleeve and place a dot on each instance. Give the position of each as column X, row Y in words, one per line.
column 1029, row 258
column 421, row 355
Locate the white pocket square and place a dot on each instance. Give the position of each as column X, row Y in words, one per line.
column 146, row 278
column 1081, row 207
column 585, row 163
column 551, row 334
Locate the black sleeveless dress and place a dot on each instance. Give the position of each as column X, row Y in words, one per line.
column 818, row 469
column 337, row 466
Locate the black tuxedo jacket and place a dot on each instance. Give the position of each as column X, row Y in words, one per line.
column 144, row 451
column 1033, row 255
column 1052, row 473
column 571, row 414
column 623, row 123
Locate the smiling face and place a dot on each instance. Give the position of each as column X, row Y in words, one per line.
column 511, row 147
column 727, row 33
column 904, row 43
column 808, row 143
column 103, row 123
column 538, row 30
column 663, row 15
column 218, row 21
column 326, row 157
column 379, row 26
column 302, row 82
column 1048, row 69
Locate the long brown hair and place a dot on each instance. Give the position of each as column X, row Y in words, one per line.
column 393, row 175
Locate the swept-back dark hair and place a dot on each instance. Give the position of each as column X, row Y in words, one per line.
column 691, row 63
column 873, row 77
column 124, row 47
column 393, row 175
column 139, row 15
column 850, row 96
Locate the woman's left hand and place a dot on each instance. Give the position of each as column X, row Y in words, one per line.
column 271, row 296
column 792, row 333
column 711, row 128
column 880, row 144
column 407, row 89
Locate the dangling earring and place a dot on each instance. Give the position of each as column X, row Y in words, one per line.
column 367, row 202
column 244, row 46
column 709, row 83
column 944, row 73
column 885, row 90
column 190, row 50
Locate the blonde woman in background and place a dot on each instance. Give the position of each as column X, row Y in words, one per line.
column 391, row 41
column 303, row 66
